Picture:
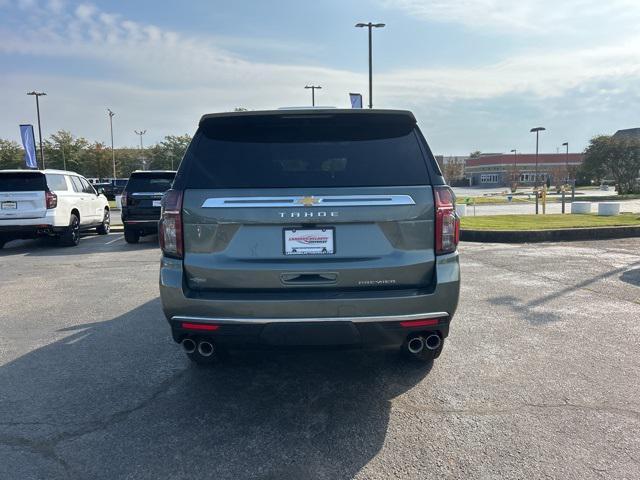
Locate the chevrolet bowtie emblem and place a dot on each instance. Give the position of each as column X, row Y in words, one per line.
column 308, row 201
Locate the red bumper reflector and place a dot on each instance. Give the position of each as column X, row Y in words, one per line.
column 420, row 323
column 199, row 326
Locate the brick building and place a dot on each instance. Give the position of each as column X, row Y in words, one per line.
column 500, row 170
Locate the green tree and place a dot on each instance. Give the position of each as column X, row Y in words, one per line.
column 615, row 158
column 11, row 155
column 168, row 154
column 64, row 151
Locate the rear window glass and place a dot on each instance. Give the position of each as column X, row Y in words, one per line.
column 22, row 182
column 307, row 152
column 56, row 183
column 150, row 183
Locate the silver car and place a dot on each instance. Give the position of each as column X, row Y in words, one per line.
column 309, row 228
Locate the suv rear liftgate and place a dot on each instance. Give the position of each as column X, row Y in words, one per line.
column 310, row 228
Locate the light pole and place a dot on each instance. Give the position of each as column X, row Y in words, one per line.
column 515, row 157
column 313, row 93
column 141, row 133
column 64, row 160
column 537, row 131
column 38, row 95
column 113, row 155
column 370, row 26
column 566, row 161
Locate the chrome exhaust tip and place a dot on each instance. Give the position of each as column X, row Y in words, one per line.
column 433, row 342
column 205, row 348
column 188, row 345
column 415, row 345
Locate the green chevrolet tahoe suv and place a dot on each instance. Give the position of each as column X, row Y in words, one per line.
column 311, row 227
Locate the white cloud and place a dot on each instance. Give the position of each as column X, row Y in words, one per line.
column 523, row 16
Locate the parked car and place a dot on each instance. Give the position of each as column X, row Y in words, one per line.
column 113, row 187
column 309, row 227
column 141, row 202
column 54, row 203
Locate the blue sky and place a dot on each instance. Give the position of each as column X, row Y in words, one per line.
column 477, row 73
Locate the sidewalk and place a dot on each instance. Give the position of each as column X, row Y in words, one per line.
column 530, row 208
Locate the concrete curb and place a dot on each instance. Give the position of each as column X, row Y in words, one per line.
column 566, row 234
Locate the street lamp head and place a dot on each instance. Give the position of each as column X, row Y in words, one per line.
column 37, row 94
column 513, row 151
column 378, row 25
column 111, row 114
column 565, row 144
column 537, row 129
column 360, row 25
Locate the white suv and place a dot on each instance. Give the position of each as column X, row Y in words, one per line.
column 53, row 203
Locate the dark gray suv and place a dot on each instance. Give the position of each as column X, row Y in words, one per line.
column 309, row 228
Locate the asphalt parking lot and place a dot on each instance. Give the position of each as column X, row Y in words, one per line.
column 539, row 378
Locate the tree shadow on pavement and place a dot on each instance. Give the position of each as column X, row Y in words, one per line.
column 524, row 310
column 89, row 243
column 631, row 276
column 118, row 399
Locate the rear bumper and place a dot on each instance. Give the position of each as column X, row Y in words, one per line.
column 146, row 225
column 29, row 227
column 310, row 318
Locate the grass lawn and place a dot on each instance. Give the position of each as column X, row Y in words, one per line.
column 494, row 200
column 546, row 222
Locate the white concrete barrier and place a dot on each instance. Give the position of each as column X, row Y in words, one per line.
column 119, row 201
column 461, row 209
column 581, row 207
column 608, row 208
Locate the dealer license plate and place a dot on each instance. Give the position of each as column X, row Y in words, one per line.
column 309, row 241
column 9, row 205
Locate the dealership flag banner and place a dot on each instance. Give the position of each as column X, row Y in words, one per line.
column 356, row 100
column 29, row 144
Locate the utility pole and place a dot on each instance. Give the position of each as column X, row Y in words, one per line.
column 370, row 26
column 141, row 133
column 515, row 157
column 38, row 95
column 313, row 93
column 113, row 154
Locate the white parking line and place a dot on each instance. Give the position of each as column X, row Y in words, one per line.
column 77, row 339
column 114, row 241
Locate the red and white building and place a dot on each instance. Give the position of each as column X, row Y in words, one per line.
column 500, row 170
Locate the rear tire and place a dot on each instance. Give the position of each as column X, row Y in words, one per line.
column 105, row 226
column 2, row 242
column 131, row 236
column 71, row 236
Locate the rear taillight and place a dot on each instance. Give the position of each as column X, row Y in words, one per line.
column 171, row 224
column 123, row 199
column 51, row 199
column 447, row 221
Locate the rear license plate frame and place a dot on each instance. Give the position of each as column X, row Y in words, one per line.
column 292, row 248
column 9, row 205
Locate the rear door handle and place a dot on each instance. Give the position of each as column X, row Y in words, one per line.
column 322, row 278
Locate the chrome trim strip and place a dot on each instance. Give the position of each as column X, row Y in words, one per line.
column 262, row 321
column 298, row 201
column 147, row 194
